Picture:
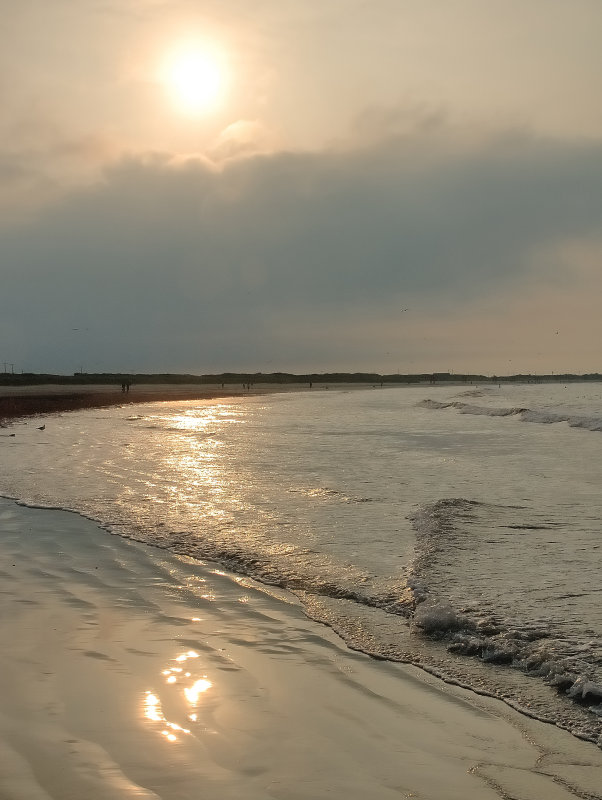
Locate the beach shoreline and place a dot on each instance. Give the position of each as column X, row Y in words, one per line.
column 41, row 400
column 111, row 642
column 29, row 400
column 21, row 401
column 139, row 673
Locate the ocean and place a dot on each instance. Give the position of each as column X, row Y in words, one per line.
column 457, row 528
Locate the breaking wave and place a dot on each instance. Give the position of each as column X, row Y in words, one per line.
column 525, row 414
column 534, row 647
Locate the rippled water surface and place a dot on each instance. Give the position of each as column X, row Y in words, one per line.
column 456, row 527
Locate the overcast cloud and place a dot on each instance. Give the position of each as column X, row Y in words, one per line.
column 295, row 243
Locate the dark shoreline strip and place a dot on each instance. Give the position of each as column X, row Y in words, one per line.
column 13, row 407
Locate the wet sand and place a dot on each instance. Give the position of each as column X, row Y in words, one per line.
column 27, row 401
column 127, row 671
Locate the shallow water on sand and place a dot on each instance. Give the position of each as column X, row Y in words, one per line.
column 130, row 672
column 474, row 511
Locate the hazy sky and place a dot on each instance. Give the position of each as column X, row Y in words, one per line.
column 295, row 185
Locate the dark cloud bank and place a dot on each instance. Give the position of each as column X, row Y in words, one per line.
column 188, row 267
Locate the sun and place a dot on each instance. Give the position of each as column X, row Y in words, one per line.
column 194, row 78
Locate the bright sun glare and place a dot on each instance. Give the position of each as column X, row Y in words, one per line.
column 194, row 78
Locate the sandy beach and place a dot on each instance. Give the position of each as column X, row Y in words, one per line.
column 26, row 401
column 37, row 399
column 127, row 671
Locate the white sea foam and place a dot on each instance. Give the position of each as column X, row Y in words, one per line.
column 498, row 632
column 543, row 417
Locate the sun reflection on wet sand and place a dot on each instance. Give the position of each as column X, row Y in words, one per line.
column 185, row 656
column 193, row 693
column 152, row 708
column 153, row 711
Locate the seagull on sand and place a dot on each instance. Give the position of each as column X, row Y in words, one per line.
column 41, row 428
